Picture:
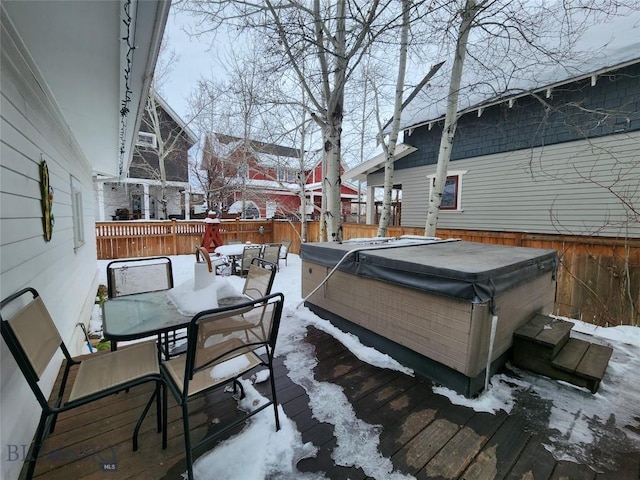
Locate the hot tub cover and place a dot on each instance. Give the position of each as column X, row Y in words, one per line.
column 465, row 270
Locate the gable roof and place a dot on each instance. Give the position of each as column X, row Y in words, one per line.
column 259, row 147
column 610, row 46
column 191, row 136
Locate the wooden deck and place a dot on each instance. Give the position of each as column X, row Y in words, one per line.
column 422, row 433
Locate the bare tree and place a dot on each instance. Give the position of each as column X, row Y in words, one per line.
column 322, row 45
column 508, row 41
column 390, row 148
column 450, row 120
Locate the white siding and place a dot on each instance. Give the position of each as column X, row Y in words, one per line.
column 550, row 189
column 32, row 129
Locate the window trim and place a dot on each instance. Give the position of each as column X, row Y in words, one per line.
column 77, row 213
column 152, row 140
column 457, row 174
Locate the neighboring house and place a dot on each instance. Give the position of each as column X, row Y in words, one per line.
column 72, row 92
column 266, row 176
column 561, row 158
column 140, row 194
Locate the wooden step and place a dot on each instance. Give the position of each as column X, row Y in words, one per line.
column 542, row 336
column 577, row 362
column 585, row 360
column 570, row 356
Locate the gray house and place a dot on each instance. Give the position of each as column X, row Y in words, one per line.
column 559, row 159
column 142, row 193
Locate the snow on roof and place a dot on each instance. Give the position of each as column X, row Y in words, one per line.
column 260, row 147
column 602, row 47
column 272, row 184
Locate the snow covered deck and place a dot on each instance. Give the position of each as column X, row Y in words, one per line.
column 420, row 431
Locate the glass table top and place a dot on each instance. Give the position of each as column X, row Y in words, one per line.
column 143, row 314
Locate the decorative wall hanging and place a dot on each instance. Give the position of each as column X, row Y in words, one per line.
column 46, row 191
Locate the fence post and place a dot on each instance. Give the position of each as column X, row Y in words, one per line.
column 174, row 231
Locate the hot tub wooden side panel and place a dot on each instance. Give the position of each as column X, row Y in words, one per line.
column 514, row 308
column 435, row 326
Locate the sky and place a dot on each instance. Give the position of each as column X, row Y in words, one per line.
column 197, row 58
column 578, row 418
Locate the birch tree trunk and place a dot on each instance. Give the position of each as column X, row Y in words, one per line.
column 450, row 119
column 161, row 149
column 332, row 132
column 390, row 149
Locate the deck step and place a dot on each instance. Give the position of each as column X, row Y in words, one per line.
column 543, row 336
column 591, row 363
column 543, row 345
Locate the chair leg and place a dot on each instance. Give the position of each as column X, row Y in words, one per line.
column 53, row 423
column 274, row 397
column 237, row 385
column 141, row 419
column 37, row 444
column 187, row 440
column 159, row 400
column 165, row 415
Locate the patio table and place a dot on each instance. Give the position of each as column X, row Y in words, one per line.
column 234, row 252
column 142, row 315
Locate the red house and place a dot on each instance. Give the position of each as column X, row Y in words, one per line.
column 265, row 178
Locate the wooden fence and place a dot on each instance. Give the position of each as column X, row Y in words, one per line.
column 598, row 278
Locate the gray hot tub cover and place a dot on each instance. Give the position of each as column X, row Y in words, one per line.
column 469, row 271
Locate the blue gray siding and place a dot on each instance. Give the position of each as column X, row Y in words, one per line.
column 574, row 111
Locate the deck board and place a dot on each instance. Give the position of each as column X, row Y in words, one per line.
column 420, row 431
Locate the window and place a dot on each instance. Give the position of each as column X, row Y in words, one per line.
column 271, row 209
column 77, row 213
column 452, row 194
column 285, row 174
column 146, row 139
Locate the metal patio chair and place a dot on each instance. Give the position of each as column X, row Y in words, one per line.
column 284, row 251
column 248, row 253
column 139, row 275
column 271, row 253
column 259, row 280
column 217, row 338
column 33, row 339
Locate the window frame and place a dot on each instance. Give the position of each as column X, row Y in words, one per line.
column 455, row 175
column 152, row 143
column 77, row 213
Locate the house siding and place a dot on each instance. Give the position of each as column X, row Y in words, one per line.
column 573, row 112
column 547, row 189
column 176, row 163
column 32, row 129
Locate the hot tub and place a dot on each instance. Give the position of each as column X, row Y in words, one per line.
column 430, row 304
